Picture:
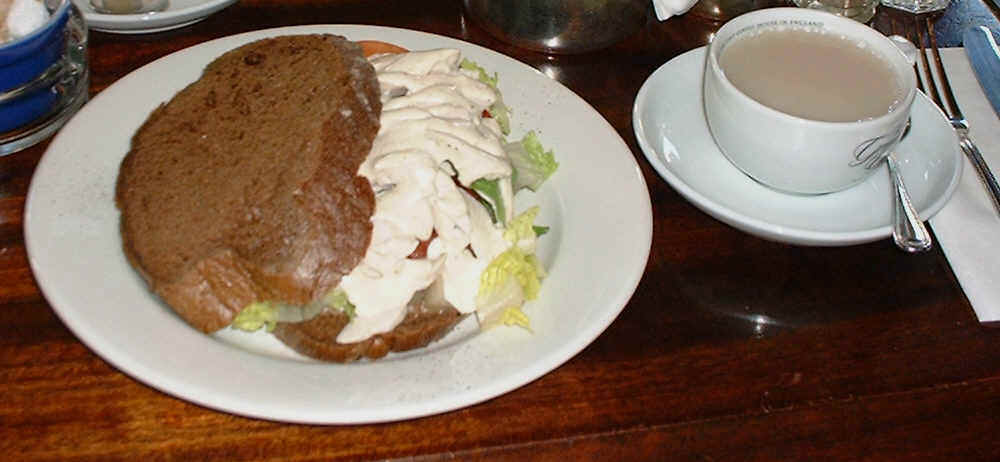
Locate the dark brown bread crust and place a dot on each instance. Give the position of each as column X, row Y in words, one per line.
column 243, row 187
column 317, row 337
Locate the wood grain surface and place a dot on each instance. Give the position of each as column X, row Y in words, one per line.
column 732, row 348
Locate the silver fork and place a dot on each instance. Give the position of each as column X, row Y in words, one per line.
column 924, row 27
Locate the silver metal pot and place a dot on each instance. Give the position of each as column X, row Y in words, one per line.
column 560, row 26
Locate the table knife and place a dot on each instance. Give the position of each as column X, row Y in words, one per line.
column 985, row 59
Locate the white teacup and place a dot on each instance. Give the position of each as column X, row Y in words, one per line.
column 793, row 153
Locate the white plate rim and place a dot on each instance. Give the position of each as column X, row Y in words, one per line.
column 745, row 221
column 201, row 386
column 145, row 23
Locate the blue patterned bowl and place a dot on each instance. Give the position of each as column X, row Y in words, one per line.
column 25, row 60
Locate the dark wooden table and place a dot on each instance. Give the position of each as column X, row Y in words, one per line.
column 732, row 348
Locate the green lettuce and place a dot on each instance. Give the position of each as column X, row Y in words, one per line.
column 490, row 192
column 498, row 110
column 255, row 316
column 512, row 277
column 521, row 231
column 267, row 315
column 482, row 75
column 509, row 280
column 337, row 299
column 532, row 163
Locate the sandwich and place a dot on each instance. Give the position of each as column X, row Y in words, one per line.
column 353, row 199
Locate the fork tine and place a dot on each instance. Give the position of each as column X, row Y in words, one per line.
column 930, row 88
column 922, row 36
column 920, row 80
column 953, row 109
column 898, row 26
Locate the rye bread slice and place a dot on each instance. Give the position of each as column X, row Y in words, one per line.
column 425, row 322
column 428, row 317
column 243, row 187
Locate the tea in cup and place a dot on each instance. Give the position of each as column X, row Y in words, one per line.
column 804, row 101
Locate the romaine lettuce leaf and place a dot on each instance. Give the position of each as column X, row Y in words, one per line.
column 256, row 316
column 531, row 162
column 498, row 110
column 337, row 299
column 521, row 232
column 490, row 192
column 481, row 73
column 513, row 316
column 501, row 113
column 509, row 280
column 267, row 315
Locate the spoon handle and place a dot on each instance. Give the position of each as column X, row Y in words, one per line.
column 908, row 231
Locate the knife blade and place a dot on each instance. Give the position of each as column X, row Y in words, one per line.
column 985, row 59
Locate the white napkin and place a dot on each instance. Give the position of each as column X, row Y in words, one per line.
column 968, row 227
column 667, row 8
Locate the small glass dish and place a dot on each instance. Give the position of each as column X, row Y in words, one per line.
column 44, row 78
column 917, row 6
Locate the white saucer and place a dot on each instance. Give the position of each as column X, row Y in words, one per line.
column 178, row 14
column 670, row 126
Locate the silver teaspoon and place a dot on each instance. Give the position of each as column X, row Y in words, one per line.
column 908, row 231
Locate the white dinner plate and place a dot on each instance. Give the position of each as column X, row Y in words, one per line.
column 179, row 13
column 669, row 123
column 596, row 204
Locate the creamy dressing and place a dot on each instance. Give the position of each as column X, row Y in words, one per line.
column 431, row 130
